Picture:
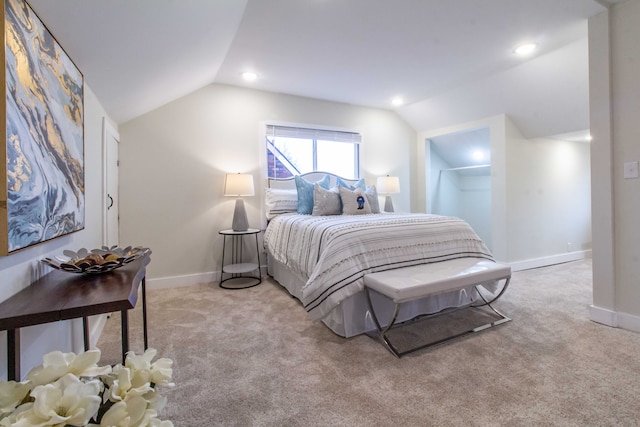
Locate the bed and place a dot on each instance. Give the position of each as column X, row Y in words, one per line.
column 321, row 259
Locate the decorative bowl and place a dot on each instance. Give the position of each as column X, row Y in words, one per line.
column 95, row 260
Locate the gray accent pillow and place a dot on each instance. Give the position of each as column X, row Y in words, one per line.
column 326, row 202
column 372, row 197
column 354, row 202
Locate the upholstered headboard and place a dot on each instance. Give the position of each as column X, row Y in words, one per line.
column 289, row 183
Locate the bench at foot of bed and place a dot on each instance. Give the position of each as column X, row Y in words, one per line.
column 410, row 283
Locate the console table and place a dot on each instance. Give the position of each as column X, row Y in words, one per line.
column 60, row 295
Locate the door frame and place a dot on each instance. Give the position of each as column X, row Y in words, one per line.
column 108, row 130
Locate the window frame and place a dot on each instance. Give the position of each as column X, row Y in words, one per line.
column 320, row 129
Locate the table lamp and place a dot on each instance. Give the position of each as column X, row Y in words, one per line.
column 238, row 185
column 388, row 185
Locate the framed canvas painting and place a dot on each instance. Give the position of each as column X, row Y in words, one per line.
column 43, row 118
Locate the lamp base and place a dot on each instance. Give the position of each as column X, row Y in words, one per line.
column 388, row 204
column 240, row 222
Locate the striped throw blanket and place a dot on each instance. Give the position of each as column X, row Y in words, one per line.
column 335, row 252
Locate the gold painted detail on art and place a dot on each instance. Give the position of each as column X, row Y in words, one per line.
column 19, row 172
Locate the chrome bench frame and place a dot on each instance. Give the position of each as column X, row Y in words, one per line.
column 381, row 333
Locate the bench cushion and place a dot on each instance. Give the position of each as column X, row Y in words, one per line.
column 409, row 283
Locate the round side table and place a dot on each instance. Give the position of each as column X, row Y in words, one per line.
column 237, row 270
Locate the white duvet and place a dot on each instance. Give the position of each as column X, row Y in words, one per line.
column 333, row 253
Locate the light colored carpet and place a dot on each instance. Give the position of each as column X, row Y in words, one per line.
column 252, row 358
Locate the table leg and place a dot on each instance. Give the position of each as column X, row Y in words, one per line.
column 144, row 313
column 124, row 316
column 258, row 256
column 13, row 354
column 224, row 245
column 85, row 333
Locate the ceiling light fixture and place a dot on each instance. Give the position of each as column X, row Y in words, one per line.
column 249, row 76
column 526, row 49
column 397, row 101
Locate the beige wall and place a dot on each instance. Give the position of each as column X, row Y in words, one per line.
column 19, row 269
column 615, row 66
column 173, row 162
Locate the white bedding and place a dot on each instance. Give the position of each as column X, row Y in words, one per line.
column 333, row 253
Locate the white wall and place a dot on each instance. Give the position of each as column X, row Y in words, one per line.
column 548, row 197
column 615, row 109
column 20, row 269
column 444, row 191
column 465, row 196
column 626, row 148
column 475, row 205
column 173, row 162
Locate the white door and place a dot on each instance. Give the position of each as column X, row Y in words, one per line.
column 111, row 139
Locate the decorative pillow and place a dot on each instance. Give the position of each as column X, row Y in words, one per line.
column 354, row 202
column 360, row 183
column 372, row 197
column 326, row 202
column 305, row 193
column 278, row 201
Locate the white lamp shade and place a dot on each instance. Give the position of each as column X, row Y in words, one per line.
column 388, row 184
column 238, row 184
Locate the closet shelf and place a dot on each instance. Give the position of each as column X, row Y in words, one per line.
column 466, row 168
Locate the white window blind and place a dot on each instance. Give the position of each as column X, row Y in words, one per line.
column 317, row 134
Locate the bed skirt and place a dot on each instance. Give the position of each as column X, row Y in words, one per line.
column 352, row 316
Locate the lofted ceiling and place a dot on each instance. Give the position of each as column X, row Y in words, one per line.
column 137, row 55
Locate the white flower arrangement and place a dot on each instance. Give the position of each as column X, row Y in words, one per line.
column 72, row 390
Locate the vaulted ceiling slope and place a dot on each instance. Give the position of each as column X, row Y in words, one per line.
column 137, row 55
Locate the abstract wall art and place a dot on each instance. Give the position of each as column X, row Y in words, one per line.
column 43, row 119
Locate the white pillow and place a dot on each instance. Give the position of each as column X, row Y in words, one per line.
column 278, row 201
column 354, row 202
column 326, row 202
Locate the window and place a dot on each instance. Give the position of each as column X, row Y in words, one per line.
column 293, row 151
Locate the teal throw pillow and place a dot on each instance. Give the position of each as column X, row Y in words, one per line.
column 359, row 184
column 305, row 193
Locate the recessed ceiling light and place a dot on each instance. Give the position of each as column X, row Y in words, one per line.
column 249, row 76
column 526, row 49
column 397, row 101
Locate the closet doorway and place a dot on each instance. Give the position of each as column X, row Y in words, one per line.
column 460, row 177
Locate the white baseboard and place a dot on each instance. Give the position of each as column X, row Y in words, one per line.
column 629, row 322
column 603, row 316
column 614, row 319
column 188, row 279
column 185, row 280
column 214, row 276
column 549, row 260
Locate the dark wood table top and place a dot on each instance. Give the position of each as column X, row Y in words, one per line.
column 60, row 295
